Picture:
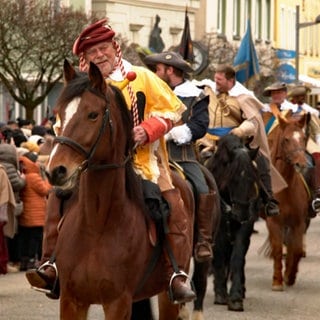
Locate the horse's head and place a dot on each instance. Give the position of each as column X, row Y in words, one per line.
column 94, row 127
column 291, row 142
column 237, row 177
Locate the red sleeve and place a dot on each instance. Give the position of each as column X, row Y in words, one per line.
column 156, row 127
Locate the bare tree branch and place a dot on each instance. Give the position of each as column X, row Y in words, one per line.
column 34, row 41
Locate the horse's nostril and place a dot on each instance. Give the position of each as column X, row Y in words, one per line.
column 58, row 175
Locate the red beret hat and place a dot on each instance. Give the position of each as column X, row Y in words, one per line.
column 93, row 34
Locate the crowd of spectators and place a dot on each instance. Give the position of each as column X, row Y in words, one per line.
column 24, row 151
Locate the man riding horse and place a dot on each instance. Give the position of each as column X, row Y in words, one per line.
column 279, row 105
column 154, row 110
column 171, row 68
column 234, row 109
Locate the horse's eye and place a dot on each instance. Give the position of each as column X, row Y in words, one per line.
column 93, row 115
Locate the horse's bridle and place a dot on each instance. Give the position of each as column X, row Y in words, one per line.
column 89, row 154
column 234, row 202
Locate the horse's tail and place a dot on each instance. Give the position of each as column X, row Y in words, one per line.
column 266, row 249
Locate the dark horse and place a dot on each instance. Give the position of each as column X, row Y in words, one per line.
column 142, row 309
column 103, row 252
column 235, row 172
column 288, row 153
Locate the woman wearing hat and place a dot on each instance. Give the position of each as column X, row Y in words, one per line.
column 155, row 109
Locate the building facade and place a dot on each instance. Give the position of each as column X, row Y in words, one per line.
column 272, row 23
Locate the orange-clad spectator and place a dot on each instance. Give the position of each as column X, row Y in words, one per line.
column 31, row 222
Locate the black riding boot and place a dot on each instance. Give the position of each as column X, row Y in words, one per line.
column 316, row 183
column 165, row 208
column 270, row 203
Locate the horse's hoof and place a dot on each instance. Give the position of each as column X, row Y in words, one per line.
column 235, row 305
column 220, row 299
column 197, row 315
column 289, row 281
column 277, row 287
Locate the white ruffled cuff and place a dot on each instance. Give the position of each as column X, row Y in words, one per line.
column 180, row 134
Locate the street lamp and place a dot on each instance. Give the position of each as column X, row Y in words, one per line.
column 298, row 27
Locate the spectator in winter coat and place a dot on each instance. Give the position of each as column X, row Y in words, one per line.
column 31, row 221
column 7, row 205
column 9, row 160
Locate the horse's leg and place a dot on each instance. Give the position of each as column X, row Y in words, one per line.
column 167, row 310
column 142, row 310
column 237, row 266
column 199, row 278
column 222, row 251
column 70, row 309
column 119, row 309
column 294, row 253
column 276, row 240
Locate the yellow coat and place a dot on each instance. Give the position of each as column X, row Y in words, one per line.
column 152, row 158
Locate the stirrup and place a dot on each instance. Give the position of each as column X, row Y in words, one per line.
column 174, row 275
column 315, row 204
column 54, row 292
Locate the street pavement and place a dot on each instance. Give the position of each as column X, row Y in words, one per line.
column 300, row 302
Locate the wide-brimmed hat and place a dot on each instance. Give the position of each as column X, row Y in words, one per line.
column 298, row 90
column 277, row 86
column 169, row 58
column 92, row 35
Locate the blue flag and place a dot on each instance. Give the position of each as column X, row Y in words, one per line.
column 246, row 62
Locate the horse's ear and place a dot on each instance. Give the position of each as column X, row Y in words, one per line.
column 96, row 78
column 69, row 72
column 282, row 121
column 304, row 120
column 253, row 153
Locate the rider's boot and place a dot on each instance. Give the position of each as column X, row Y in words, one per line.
column 316, row 183
column 45, row 276
column 271, row 207
column 179, row 251
column 205, row 221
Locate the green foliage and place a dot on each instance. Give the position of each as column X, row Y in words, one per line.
column 35, row 38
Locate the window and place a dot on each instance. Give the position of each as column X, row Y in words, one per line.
column 221, row 16
column 236, row 19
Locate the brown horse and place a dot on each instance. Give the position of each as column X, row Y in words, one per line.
column 287, row 145
column 103, row 253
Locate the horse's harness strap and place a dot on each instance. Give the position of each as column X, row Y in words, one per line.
column 150, row 267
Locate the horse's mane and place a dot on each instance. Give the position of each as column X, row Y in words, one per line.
column 75, row 88
column 229, row 160
column 133, row 182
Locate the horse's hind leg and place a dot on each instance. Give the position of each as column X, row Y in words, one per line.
column 294, row 254
column 199, row 278
column 69, row 309
column 167, row 310
column 142, row 310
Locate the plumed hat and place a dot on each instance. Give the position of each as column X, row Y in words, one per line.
column 277, row 86
column 298, row 90
column 93, row 34
column 169, row 58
